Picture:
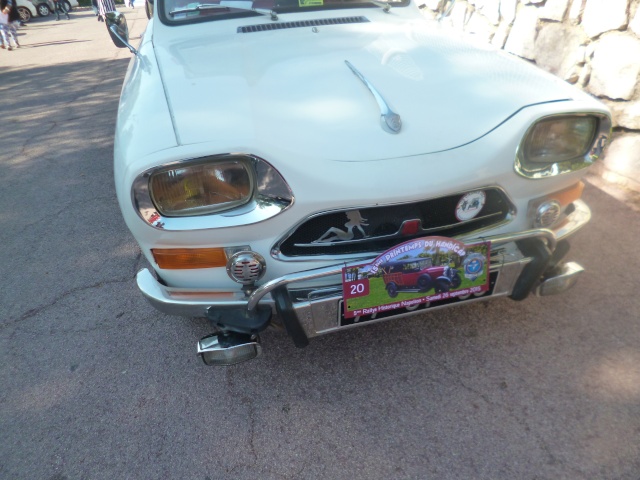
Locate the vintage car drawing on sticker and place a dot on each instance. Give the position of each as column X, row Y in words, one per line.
column 419, row 275
column 263, row 146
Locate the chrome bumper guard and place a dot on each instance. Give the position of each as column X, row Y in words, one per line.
column 520, row 263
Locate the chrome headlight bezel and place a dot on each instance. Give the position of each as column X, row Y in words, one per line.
column 589, row 154
column 270, row 195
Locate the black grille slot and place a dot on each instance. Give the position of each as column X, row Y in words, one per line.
column 300, row 24
column 384, row 225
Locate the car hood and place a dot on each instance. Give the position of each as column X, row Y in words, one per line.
column 291, row 88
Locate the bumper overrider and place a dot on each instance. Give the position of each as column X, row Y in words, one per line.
column 520, row 263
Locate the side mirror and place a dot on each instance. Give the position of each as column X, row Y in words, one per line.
column 148, row 8
column 118, row 30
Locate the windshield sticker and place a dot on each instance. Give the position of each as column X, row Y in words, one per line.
column 310, row 3
column 419, row 271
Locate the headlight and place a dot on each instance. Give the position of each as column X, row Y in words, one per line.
column 559, row 139
column 201, row 188
column 217, row 191
column 562, row 144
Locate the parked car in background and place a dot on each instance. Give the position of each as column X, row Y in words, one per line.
column 46, row 7
column 27, row 10
column 275, row 160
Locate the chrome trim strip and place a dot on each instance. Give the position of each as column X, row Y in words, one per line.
column 390, row 121
column 272, row 196
column 183, row 301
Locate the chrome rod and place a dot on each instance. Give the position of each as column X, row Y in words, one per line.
column 391, row 121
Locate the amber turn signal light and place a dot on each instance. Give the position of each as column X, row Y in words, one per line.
column 569, row 195
column 188, row 258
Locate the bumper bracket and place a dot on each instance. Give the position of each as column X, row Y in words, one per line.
column 240, row 319
column 530, row 276
column 286, row 312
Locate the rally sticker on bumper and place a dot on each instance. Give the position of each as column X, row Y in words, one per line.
column 419, row 271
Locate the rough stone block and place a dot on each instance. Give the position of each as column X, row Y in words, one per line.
column 626, row 115
column 585, row 76
column 557, row 49
column 480, row 26
column 622, row 156
column 601, row 16
column 554, row 10
column 634, row 25
column 500, row 37
column 615, row 66
column 576, row 10
column 491, row 10
column 508, row 10
column 522, row 38
column 459, row 15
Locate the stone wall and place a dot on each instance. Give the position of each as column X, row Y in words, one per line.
column 594, row 44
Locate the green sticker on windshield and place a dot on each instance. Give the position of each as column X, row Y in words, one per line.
column 310, row 3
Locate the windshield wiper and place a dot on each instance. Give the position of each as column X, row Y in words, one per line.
column 386, row 6
column 383, row 4
column 214, row 6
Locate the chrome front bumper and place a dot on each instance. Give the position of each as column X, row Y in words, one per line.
column 518, row 263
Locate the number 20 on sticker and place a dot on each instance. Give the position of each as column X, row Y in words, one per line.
column 359, row 288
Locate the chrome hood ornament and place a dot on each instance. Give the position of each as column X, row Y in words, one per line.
column 390, row 121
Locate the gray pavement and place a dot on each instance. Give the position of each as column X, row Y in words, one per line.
column 95, row 385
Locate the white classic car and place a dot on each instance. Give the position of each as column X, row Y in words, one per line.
column 326, row 164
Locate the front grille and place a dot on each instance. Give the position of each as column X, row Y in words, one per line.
column 264, row 27
column 334, row 233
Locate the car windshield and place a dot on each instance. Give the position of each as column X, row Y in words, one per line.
column 188, row 11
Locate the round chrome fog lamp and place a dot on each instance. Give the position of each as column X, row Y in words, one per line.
column 547, row 214
column 246, row 267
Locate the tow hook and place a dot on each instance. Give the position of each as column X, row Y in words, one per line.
column 228, row 348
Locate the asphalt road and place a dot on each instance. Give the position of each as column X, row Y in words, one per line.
column 94, row 384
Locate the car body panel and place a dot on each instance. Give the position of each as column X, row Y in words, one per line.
column 236, row 88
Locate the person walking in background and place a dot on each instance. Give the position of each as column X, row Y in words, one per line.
column 7, row 33
column 131, row 3
column 14, row 15
column 105, row 6
column 8, row 15
column 59, row 7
